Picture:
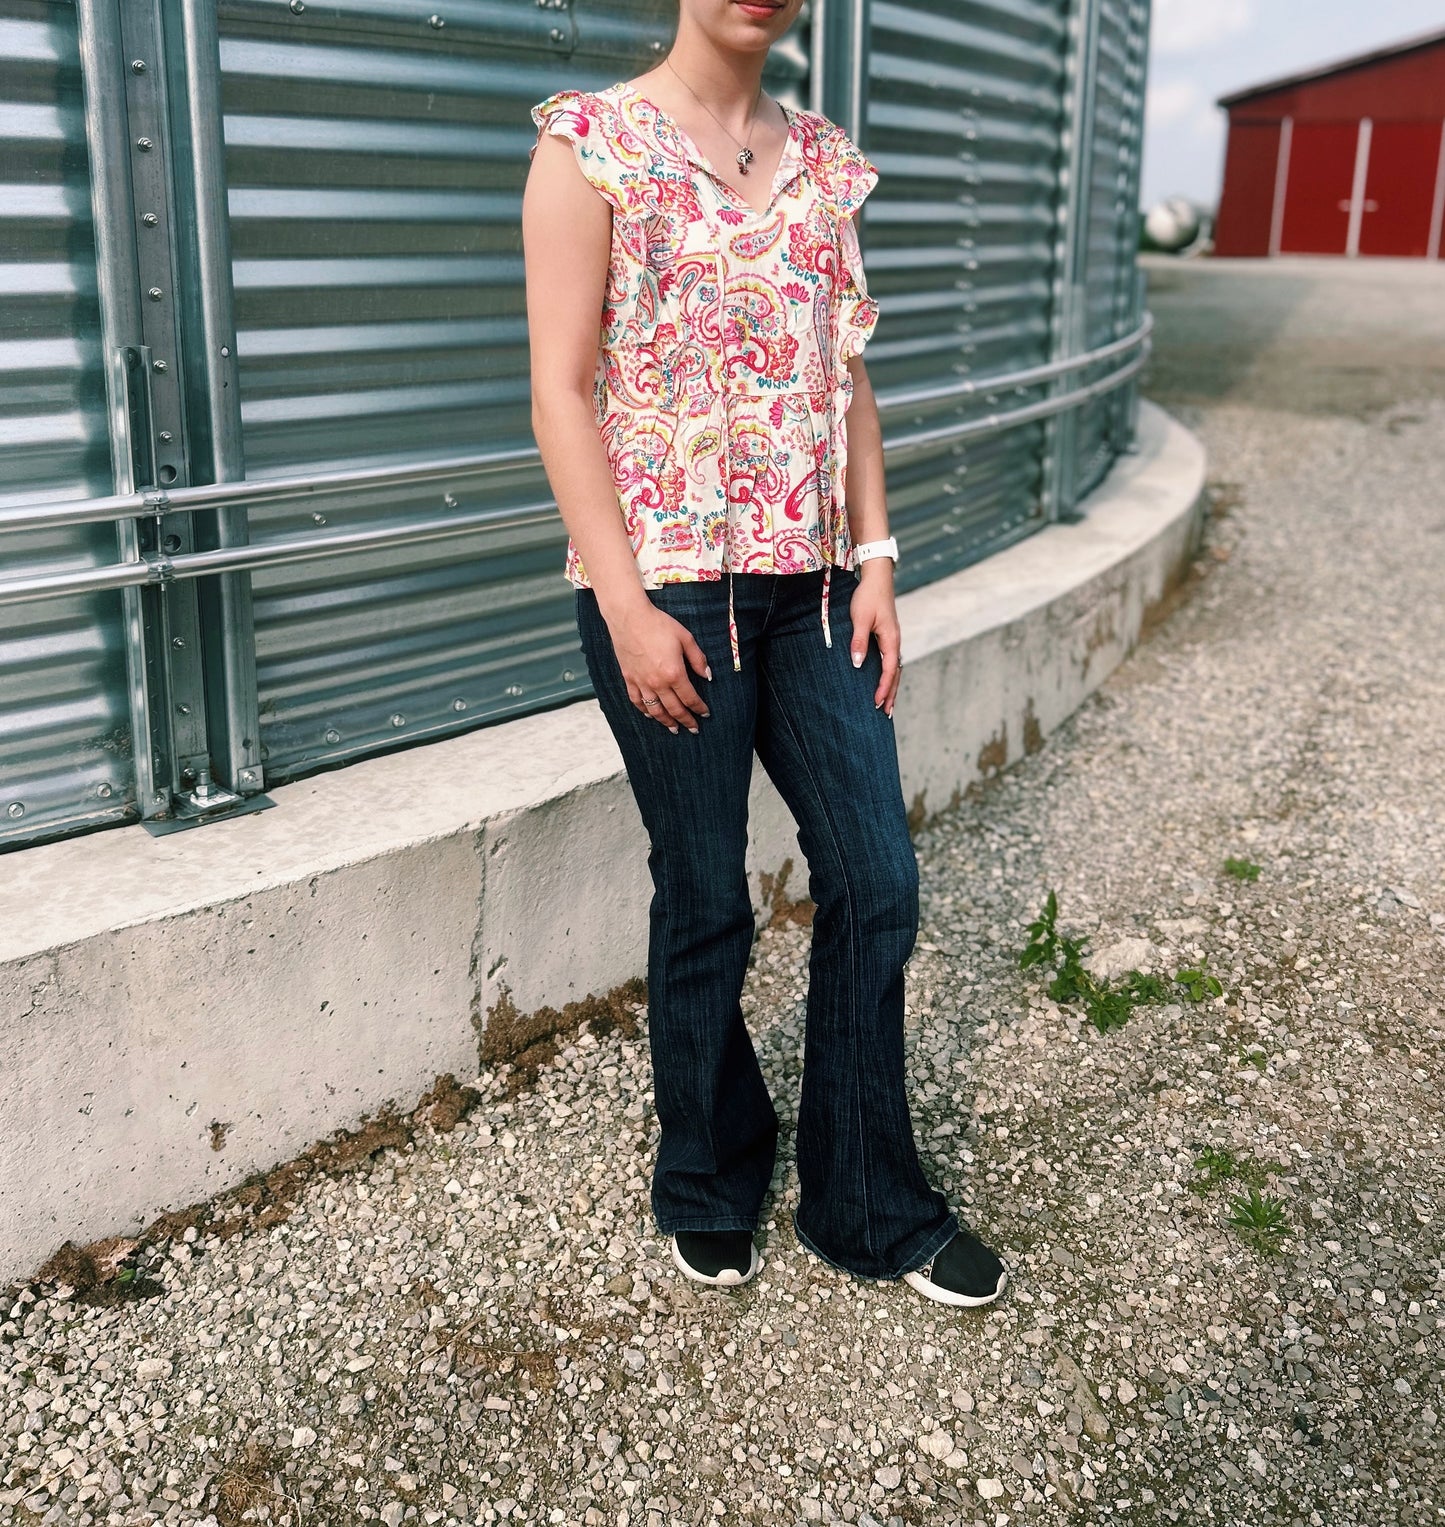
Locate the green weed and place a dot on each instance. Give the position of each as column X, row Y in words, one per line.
column 1198, row 983
column 1105, row 1006
column 1261, row 1221
column 1218, row 1166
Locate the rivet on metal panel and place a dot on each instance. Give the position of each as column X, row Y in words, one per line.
column 178, row 641
column 450, row 500
column 104, row 791
column 436, row 23
column 183, row 710
column 318, row 519
column 514, row 690
column 297, row 6
column 459, row 704
column 159, row 366
column 155, row 294
column 568, row 675
column 247, row 776
column 165, row 437
column 558, row 35
column 332, row 735
column 225, row 352
column 149, row 219
column 15, row 809
column 138, row 66
column 144, row 145
column 398, row 719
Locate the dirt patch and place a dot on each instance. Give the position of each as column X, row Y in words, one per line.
column 249, row 1484
column 783, row 908
column 106, row 1272
column 529, row 1041
column 1033, row 732
column 993, row 755
column 1223, row 497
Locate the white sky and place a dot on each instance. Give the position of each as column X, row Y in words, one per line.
column 1202, row 49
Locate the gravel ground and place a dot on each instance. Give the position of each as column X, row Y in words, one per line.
column 481, row 1324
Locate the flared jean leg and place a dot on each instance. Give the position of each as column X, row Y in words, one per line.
column 718, row 1125
column 865, row 1204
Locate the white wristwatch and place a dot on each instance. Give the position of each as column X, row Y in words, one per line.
column 888, row 548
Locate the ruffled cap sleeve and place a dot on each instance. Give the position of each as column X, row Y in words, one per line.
column 844, row 175
column 858, row 312
column 844, row 172
column 583, row 121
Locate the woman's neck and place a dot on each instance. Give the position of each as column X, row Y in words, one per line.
column 728, row 86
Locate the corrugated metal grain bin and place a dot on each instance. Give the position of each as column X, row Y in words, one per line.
column 269, row 499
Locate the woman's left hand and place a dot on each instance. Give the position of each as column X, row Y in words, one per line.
column 873, row 612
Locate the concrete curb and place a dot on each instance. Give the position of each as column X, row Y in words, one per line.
column 181, row 1012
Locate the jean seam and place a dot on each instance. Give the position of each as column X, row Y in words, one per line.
column 772, row 600
column 853, row 1002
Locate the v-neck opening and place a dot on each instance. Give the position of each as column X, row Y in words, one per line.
column 789, row 161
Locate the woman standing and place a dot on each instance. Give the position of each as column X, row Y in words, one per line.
column 729, row 548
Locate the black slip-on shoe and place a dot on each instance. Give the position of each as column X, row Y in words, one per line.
column 721, row 1257
column 965, row 1271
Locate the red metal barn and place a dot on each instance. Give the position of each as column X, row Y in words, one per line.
column 1348, row 159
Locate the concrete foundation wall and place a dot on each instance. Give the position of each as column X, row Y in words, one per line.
column 179, row 1012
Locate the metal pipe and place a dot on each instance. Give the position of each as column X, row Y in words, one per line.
column 1029, row 377
column 991, row 424
column 259, row 491
column 228, row 559
column 310, row 548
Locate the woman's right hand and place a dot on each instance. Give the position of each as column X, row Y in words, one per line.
column 654, row 652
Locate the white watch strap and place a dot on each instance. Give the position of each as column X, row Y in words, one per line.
column 885, row 548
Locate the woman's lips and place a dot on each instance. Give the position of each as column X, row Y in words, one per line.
column 756, row 10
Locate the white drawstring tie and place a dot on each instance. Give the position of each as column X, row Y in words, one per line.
column 733, row 626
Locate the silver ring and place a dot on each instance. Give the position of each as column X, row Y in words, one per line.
column 653, row 701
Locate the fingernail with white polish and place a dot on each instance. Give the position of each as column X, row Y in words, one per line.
column 857, row 659
column 707, row 673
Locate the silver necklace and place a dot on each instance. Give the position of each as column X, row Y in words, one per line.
column 745, row 154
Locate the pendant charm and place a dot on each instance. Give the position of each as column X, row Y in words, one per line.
column 743, row 159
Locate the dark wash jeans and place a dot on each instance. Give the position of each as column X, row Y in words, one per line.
column 864, row 1203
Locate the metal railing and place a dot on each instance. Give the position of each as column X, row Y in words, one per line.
column 159, row 568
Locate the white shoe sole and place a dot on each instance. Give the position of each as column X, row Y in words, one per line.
column 931, row 1290
column 729, row 1277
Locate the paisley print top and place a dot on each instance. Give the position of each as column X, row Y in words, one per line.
column 721, row 383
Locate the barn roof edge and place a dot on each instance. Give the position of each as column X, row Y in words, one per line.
column 1323, row 71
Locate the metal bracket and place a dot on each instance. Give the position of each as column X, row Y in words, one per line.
column 188, row 811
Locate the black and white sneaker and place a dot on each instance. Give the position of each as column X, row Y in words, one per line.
column 965, row 1271
column 721, row 1257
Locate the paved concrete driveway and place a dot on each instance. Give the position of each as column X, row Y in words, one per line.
column 1223, row 1216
